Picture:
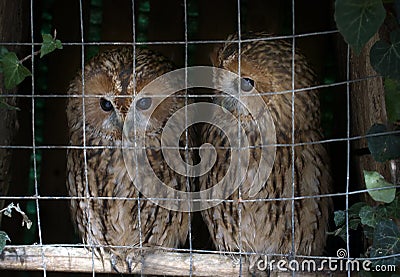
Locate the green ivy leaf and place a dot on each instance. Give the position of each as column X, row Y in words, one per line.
column 49, row 45
column 340, row 232
column 354, row 210
column 3, row 240
column 392, row 99
column 358, row 20
column 386, row 242
column 374, row 180
column 14, row 71
column 368, row 216
column 385, row 57
column 393, row 209
column 339, row 218
column 382, row 210
column 354, row 223
column 354, row 219
column 385, row 147
column 368, row 232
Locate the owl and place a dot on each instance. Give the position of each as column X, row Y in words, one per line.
column 110, row 213
column 264, row 226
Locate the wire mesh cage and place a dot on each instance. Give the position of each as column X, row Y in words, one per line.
column 62, row 121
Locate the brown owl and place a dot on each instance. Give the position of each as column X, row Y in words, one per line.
column 106, row 205
column 266, row 222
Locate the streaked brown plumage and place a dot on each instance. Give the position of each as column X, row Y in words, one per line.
column 114, row 222
column 266, row 226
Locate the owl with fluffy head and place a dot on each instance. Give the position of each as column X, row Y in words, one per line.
column 263, row 223
column 110, row 213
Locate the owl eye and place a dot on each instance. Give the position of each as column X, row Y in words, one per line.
column 144, row 103
column 246, row 84
column 106, row 105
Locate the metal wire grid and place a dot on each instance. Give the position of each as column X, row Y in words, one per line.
column 37, row 197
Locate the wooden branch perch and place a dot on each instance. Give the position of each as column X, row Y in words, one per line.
column 74, row 259
column 78, row 259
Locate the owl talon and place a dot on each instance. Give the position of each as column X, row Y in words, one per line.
column 291, row 256
column 114, row 262
column 235, row 260
column 129, row 265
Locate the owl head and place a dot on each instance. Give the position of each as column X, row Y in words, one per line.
column 108, row 86
column 266, row 68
